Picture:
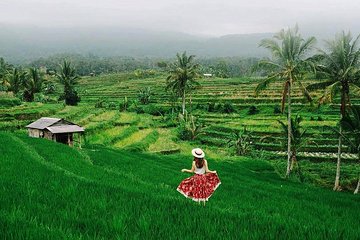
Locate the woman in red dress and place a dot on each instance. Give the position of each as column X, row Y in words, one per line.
column 203, row 183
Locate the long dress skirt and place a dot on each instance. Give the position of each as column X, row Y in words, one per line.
column 199, row 187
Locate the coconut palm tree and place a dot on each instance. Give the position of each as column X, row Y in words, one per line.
column 16, row 78
column 32, row 84
column 340, row 64
column 351, row 126
column 298, row 140
column 288, row 64
column 182, row 77
column 4, row 70
column 69, row 79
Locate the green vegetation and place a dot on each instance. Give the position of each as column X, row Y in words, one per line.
column 121, row 185
column 99, row 193
column 340, row 66
column 68, row 78
column 288, row 65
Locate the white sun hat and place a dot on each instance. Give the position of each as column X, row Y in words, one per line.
column 197, row 152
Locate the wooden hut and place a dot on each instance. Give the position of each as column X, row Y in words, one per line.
column 55, row 129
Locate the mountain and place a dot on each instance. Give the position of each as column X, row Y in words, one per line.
column 21, row 44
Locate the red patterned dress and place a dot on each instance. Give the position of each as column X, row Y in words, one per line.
column 200, row 186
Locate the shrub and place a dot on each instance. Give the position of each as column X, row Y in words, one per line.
column 9, row 102
column 228, row 108
column 241, row 142
column 145, row 95
column 319, row 118
column 100, row 103
column 112, row 105
column 70, row 96
column 253, row 110
column 50, row 88
column 189, row 129
column 124, row 105
column 277, row 109
column 211, row 107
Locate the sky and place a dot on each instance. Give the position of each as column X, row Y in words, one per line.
column 198, row 17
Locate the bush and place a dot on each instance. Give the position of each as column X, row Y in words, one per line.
column 100, row 103
column 320, row 118
column 211, row 107
column 189, row 129
column 112, row 105
column 124, row 105
column 145, row 95
column 9, row 102
column 228, row 108
column 241, row 142
column 154, row 110
column 277, row 109
column 70, row 96
column 253, row 110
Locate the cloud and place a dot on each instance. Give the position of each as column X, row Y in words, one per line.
column 211, row 17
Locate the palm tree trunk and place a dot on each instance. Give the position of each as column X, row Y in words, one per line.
column 357, row 187
column 337, row 178
column 289, row 133
column 183, row 103
column 358, row 184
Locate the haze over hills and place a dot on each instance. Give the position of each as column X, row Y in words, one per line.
column 23, row 44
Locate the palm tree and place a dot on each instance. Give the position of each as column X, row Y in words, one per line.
column 351, row 125
column 298, row 140
column 4, row 70
column 341, row 66
column 288, row 64
column 69, row 79
column 32, row 84
column 182, row 79
column 16, row 78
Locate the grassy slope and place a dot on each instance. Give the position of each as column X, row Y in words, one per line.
column 100, row 193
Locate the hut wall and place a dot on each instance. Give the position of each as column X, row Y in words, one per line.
column 48, row 135
column 34, row 132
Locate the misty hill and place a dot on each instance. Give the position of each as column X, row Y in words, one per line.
column 20, row 44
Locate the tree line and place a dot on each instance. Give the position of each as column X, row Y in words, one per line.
column 85, row 65
column 25, row 83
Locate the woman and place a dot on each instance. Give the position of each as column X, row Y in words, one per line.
column 200, row 186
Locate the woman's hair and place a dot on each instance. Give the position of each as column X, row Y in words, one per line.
column 199, row 162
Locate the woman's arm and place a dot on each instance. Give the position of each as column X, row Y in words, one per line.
column 191, row 170
column 207, row 169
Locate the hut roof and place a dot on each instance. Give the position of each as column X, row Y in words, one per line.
column 65, row 129
column 43, row 123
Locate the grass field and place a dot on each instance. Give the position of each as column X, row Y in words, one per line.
column 152, row 128
column 51, row 191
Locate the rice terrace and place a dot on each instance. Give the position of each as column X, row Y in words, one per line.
column 102, row 140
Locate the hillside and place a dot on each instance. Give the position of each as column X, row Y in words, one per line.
column 100, row 193
column 23, row 44
column 154, row 127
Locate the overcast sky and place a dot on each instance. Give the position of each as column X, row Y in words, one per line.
column 207, row 17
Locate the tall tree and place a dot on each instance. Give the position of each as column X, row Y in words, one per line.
column 69, row 79
column 288, row 64
column 16, row 78
column 32, row 84
column 351, row 125
column 182, row 76
column 340, row 64
column 4, row 70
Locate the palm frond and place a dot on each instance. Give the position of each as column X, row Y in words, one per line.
column 263, row 85
column 320, row 85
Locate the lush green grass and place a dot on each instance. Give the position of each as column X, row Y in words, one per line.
column 51, row 191
column 152, row 127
